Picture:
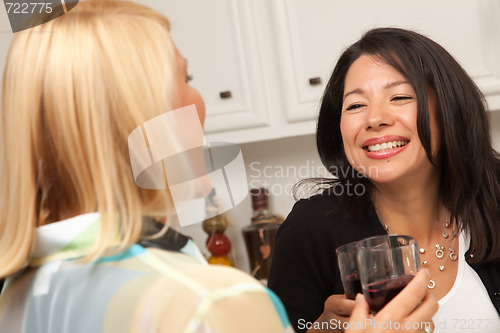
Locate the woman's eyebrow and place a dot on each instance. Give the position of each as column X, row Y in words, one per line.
column 395, row 83
column 386, row 86
column 355, row 91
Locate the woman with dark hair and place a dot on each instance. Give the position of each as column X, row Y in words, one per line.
column 405, row 134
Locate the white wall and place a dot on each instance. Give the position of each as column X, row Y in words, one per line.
column 495, row 129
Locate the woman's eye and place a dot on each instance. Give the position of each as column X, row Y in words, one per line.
column 401, row 98
column 354, row 107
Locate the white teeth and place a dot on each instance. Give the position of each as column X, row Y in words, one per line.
column 387, row 145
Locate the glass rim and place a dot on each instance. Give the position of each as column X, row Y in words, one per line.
column 411, row 239
column 344, row 248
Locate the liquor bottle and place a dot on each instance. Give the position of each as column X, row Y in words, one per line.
column 218, row 244
column 259, row 236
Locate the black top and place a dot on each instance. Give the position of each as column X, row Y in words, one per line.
column 304, row 270
column 171, row 240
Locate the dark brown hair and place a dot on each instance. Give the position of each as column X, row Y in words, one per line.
column 468, row 166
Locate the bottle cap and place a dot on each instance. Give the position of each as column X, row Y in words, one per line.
column 259, row 198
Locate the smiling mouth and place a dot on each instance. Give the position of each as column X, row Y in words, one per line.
column 386, row 146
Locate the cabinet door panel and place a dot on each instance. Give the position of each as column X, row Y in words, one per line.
column 218, row 41
column 313, row 33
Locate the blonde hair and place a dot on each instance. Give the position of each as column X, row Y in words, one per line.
column 74, row 88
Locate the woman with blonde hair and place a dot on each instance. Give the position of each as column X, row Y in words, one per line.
column 74, row 89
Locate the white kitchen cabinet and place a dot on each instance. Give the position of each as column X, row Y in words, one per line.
column 275, row 56
column 217, row 38
column 313, row 33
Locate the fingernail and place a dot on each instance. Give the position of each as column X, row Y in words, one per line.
column 427, row 272
column 359, row 297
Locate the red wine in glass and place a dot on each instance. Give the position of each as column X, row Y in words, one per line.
column 352, row 286
column 379, row 293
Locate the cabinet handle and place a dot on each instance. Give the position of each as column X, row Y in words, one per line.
column 314, row 81
column 225, row 94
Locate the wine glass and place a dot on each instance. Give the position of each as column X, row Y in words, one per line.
column 348, row 266
column 386, row 265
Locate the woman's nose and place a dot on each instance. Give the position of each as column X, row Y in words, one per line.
column 378, row 116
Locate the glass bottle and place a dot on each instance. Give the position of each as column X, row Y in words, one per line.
column 218, row 244
column 259, row 236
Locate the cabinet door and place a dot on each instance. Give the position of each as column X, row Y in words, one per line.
column 218, row 40
column 311, row 35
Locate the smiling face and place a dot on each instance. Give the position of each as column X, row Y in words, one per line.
column 379, row 123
